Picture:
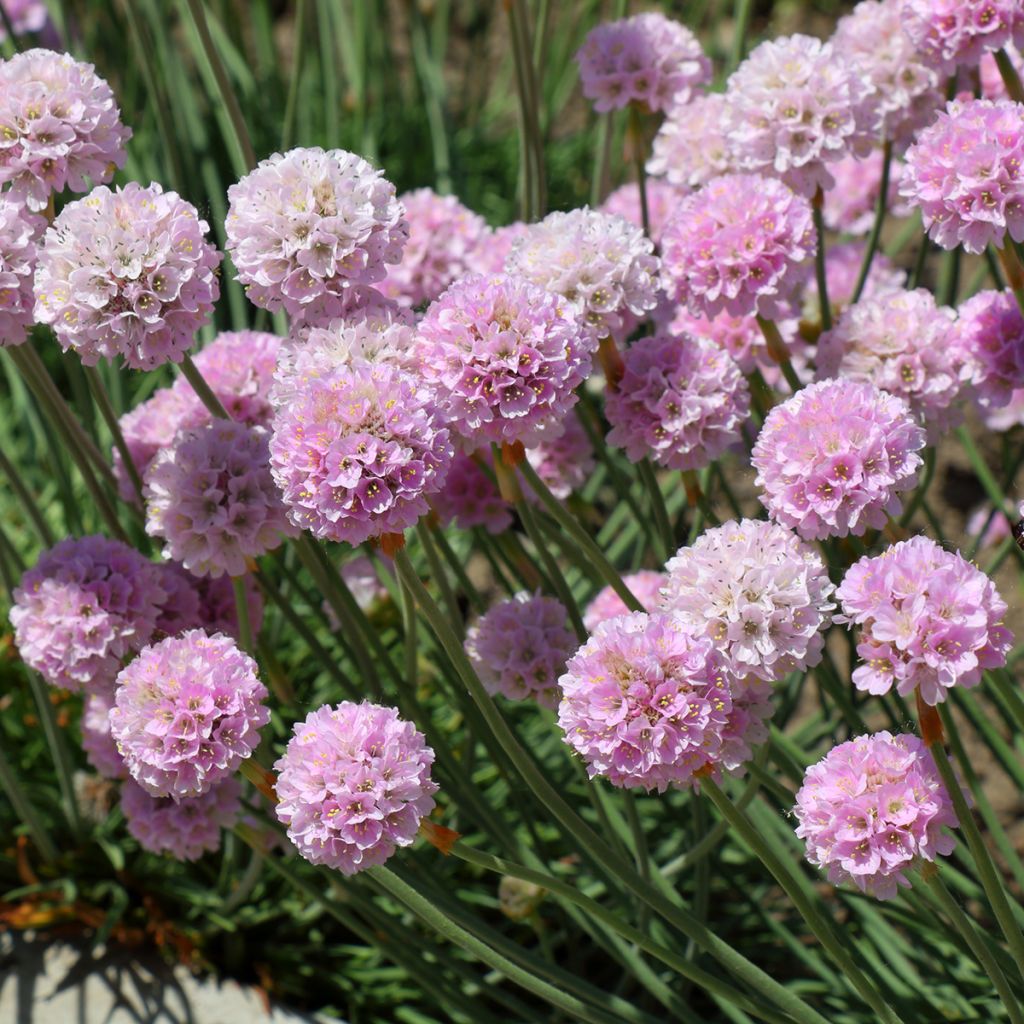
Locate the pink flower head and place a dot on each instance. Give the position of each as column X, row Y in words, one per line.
column 758, row 592
column 681, row 401
column 645, row 586
column 503, row 357
column 128, row 273
column 905, row 85
column 850, row 204
column 648, row 704
column 212, row 499
column 842, row 270
column 184, row 829
column 86, row 605
column 904, row 344
column 19, row 232
column 963, row 173
column 1004, row 417
column 563, row 458
column 602, row 266
column 833, row 459
column 59, row 127
column 952, row 33
column 647, row 59
column 872, row 809
column 470, row 498
column 991, row 334
column 358, row 452
column 794, row 106
column 354, row 784
column 239, row 368
column 306, row 225
column 520, row 647
column 206, row 602
column 443, row 235
column 691, row 148
column 98, row 744
column 25, row 16
column 493, row 248
column 928, row 619
column 743, row 244
column 187, row 712
column 662, row 199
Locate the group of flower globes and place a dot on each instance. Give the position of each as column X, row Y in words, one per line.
column 421, row 340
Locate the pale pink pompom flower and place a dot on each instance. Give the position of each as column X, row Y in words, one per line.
column 662, row 200
column 470, row 497
column 850, row 205
column 955, row 33
column 97, row 742
column 563, row 459
column 990, row 331
column 691, row 147
column 494, row 247
column 19, row 234
column 645, row 586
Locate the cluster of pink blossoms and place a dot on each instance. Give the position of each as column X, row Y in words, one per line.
column 850, row 205
column 25, row 16
column 644, row 585
column 19, row 231
column 97, row 742
column 470, row 497
column 928, row 618
column 563, row 458
column 662, row 199
column 873, row 809
column 952, row 33
column 990, row 332
column 842, row 271
column 647, row 59
column 691, row 148
column 354, row 784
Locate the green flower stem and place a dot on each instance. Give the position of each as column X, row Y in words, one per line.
column 639, row 155
column 245, row 639
column 987, row 480
column 922, row 488
column 1006, row 691
column 819, row 264
column 826, row 936
column 666, row 544
column 298, row 59
column 440, row 576
column 13, row 37
column 1011, row 79
column 741, row 23
column 599, row 181
column 641, row 854
column 58, row 749
column 205, row 394
column 531, row 143
column 778, row 351
column 430, row 537
column 1014, row 271
column 27, row 500
column 102, row 400
column 876, row 228
column 24, row 810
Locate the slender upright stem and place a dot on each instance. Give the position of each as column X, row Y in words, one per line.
column 1011, row 79
column 58, row 749
column 203, row 391
column 778, row 352
column 245, row 638
column 741, row 22
column 25, row 811
column 638, row 153
column 292, row 102
column 665, row 538
column 881, row 205
column 820, row 265
column 102, row 399
column 26, row 499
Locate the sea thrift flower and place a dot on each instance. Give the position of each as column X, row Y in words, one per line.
column 647, row 59
column 662, row 199
column 354, row 784
column 842, row 270
column 239, row 368
column 850, row 206
column 60, row 127
column 905, row 85
column 307, row 224
column 991, row 333
column 928, row 620
column 758, row 592
column 987, row 525
column 1004, row 417
column 25, row 16
column 187, row 712
column 681, row 401
column 952, row 33
column 493, row 248
column 795, row 105
column 184, row 829
column 212, row 499
column 647, row 704
column 86, row 605
column 873, row 809
column 742, row 244
column 691, row 148
column 963, row 173
column 519, row 648
column 833, row 459
column 503, row 358
column 645, row 587
column 903, row 343
column 127, row 273
column 218, row 612
column 99, row 746
column 19, row 230
column 601, row 265
column 358, row 452
column 443, row 235
column 563, row 459
column 470, row 498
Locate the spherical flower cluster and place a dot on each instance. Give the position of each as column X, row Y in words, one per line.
column 873, row 809
column 795, row 105
column 25, row 16
column 645, row 586
column 183, row 829
column 212, row 499
column 758, row 592
column 993, row 87
column 691, row 148
column 990, row 331
column 1004, row 417
column 494, row 247
column 443, row 235
column 842, row 271
column 19, row 230
column 850, row 205
column 307, row 224
column 963, row 173
column 662, row 199
column 647, row 59
column 470, row 498
column 358, row 452
column 503, row 358
column 833, row 459
column 987, row 525
column 61, row 126
column 681, row 401
column 87, row 604
column 905, row 85
column 904, row 344
column 239, row 368
column 99, row 746
column 520, row 647
column 127, row 273
column 952, row 33
column 742, row 244
column 353, row 784
column 601, row 265
column 187, row 711
column 563, row 459
column 648, row 704
column 928, row 619
column 206, row 603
